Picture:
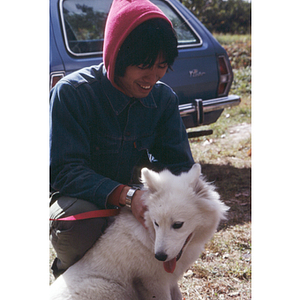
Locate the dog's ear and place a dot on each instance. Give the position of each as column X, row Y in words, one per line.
column 150, row 179
column 194, row 174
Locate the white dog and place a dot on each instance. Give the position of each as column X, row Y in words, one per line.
column 130, row 262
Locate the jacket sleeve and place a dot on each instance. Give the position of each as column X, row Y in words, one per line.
column 70, row 170
column 171, row 148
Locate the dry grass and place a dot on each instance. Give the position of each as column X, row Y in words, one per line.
column 224, row 269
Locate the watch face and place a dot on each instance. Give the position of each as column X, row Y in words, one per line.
column 130, row 193
column 129, row 196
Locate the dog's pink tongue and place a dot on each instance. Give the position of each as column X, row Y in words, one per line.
column 170, row 265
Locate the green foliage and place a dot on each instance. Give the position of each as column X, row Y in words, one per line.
column 230, row 16
column 241, row 84
column 238, row 48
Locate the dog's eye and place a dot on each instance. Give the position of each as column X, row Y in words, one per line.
column 177, row 225
column 156, row 224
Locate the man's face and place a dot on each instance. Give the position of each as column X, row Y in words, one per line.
column 138, row 81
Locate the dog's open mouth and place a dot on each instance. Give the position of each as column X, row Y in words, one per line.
column 170, row 265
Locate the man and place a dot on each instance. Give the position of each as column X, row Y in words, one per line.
column 108, row 120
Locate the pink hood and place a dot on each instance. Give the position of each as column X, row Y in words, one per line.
column 123, row 17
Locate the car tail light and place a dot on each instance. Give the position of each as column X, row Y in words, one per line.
column 226, row 77
column 55, row 77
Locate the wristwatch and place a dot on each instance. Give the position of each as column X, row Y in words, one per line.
column 130, row 195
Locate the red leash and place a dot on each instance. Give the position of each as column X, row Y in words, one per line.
column 102, row 213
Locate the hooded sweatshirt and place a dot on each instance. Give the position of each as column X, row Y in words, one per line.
column 123, row 17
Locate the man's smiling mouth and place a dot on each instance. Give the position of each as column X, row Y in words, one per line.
column 145, row 87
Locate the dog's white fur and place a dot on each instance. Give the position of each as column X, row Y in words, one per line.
column 122, row 264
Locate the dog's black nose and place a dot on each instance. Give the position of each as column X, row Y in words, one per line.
column 161, row 256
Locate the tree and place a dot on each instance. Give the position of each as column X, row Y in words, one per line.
column 222, row 16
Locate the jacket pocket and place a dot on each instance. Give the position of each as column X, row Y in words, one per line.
column 102, row 144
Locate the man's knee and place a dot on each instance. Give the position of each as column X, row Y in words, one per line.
column 72, row 239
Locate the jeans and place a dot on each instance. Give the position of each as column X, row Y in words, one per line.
column 72, row 239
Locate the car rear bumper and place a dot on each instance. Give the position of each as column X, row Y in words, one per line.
column 194, row 114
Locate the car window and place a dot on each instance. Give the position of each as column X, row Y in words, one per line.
column 184, row 33
column 84, row 20
column 83, row 25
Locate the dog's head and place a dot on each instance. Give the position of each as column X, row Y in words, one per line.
column 181, row 210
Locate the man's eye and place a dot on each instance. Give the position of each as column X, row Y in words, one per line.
column 143, row 67
column 156, row 224
column 177, row 225
column 163, row 66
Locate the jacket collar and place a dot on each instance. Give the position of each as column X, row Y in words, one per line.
column 118, row 100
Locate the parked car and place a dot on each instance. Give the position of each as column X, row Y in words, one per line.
column 202, row 73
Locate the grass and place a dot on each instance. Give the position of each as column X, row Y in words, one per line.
column 228, row 39
column 230, row 141
column 238, row 48
column 223, row 271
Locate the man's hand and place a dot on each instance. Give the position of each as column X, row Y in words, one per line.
column 138, row 207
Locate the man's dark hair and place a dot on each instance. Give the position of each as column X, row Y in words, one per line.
column 143, row 45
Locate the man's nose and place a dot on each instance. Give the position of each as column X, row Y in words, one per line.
column 153, row 75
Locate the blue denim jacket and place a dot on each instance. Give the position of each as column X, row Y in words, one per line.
column 98, row 135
